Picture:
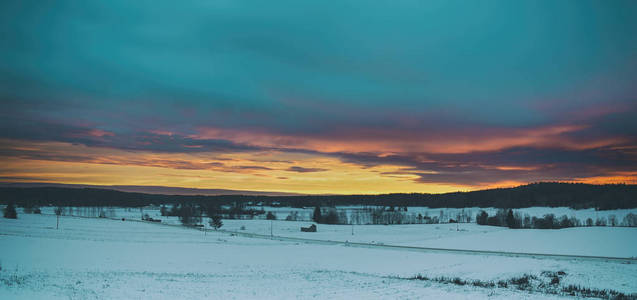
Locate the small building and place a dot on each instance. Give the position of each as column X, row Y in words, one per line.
column 312, row 228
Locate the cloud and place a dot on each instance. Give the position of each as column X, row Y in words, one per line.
column 304, row 170
column 345, row 81
column 252, row 168
column 520, row 164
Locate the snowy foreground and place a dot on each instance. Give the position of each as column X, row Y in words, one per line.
column 89, row 258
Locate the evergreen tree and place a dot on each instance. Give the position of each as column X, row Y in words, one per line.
column 317, row 215
column 482, row 217
column 9, row 211
column 215, row 221
column 510, row 220
column 331, row 217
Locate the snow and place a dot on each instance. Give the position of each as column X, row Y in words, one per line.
column 110, row 259
column 589, row 241
column 593, row 241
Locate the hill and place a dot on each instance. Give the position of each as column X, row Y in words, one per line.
column 552, row 194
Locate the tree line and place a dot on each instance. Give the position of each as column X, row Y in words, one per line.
column 511, row 219
column 551, row 194
column 384, row 215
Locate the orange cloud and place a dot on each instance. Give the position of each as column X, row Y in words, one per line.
column 517, row 168
column 262, row 171
column 386, row 142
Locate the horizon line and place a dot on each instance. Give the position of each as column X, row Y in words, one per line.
column 147, row 189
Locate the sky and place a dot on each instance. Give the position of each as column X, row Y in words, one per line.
column 346, row 97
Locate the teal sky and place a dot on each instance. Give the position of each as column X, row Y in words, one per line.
column 532, row 84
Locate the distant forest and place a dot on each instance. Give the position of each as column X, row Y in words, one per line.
column 551, row 194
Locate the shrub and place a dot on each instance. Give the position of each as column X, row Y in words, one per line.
column 612, row 220
column 547, row 222
column 630, row 220
column 493, row 221
column 600, row 221
column 458, row 281
column 188, row 214
column 293, row 216
column 523, row 282
column 555, row 280
column 565, row 222
column 575, row 222
column 520, row 280
column 270, row 216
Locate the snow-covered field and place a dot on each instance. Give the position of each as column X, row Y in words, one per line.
column 90, row 258
column 589, row 241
